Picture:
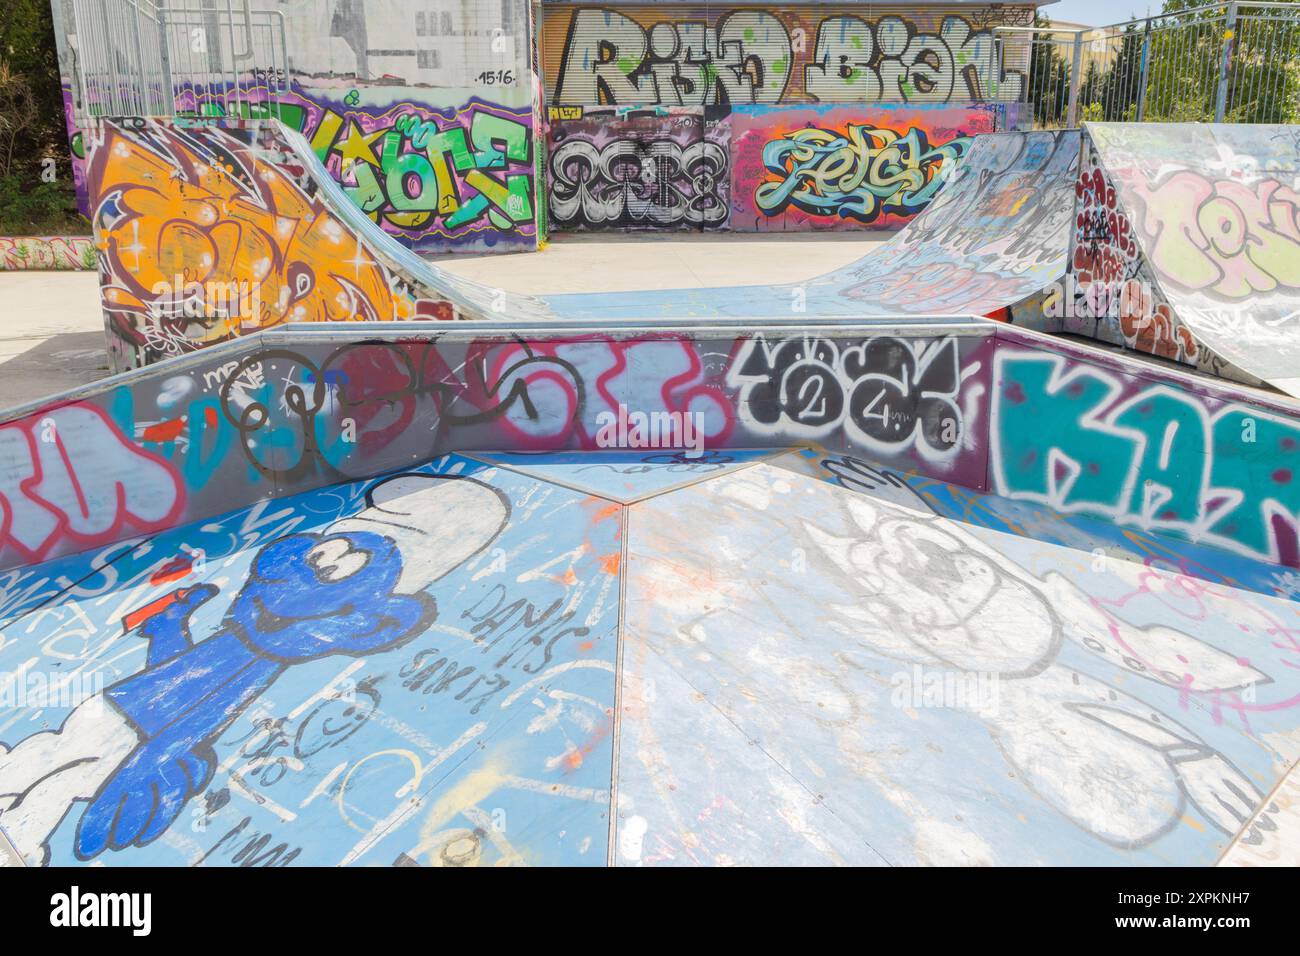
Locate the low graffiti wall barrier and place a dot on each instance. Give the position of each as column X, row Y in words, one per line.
column 288, row 410
column 987, row 407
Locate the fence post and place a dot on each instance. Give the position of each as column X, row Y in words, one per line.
column 1225, row 65
column 167, row 93
column 1144, row 72
column 1076, row 62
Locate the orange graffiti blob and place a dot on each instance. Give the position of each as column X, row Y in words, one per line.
column 250, row 248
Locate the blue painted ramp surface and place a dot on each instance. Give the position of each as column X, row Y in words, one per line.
column 418, row 670
column 997, row 233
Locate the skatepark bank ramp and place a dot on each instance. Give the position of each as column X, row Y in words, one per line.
column 1187, row 245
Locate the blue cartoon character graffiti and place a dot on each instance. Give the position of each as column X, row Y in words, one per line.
column 143, row 748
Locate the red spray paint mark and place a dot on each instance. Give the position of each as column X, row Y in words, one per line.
column 173, row 570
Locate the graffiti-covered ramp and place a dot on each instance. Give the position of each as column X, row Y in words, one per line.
column 211, row 231
column 1207, row 217
column 649, row 659
column 996, row 234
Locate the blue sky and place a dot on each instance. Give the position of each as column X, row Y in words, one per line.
column 1098, row 13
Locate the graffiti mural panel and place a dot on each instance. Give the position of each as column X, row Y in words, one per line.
column 700, row 55
column 431, row 178
column 255, row 419
column 1085, row 438
column 660, row 168
column 844, row 167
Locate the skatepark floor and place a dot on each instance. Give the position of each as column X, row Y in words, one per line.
column 51, row 327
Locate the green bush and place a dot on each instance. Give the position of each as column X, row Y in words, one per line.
column 28, row 209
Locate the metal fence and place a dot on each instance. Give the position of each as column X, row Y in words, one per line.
column 1233, row 62
column 147, row 58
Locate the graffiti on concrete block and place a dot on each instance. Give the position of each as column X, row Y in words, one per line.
column 70, row 477
column 883, row 392
column 773, row 55
column 1081, row 439
column 1111, row 294
column 653, row 169
column 206, row 236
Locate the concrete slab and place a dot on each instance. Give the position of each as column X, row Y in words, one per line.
column 51, row 334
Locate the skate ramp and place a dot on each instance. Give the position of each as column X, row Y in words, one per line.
column 1210, row 217
column 997, row 233
column 210, row 231
column 642, row 659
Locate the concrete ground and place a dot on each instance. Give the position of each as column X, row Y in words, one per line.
column 51, row 328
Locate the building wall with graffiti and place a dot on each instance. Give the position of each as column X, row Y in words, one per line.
column 684, row 54
column 773, row 86
column 754, row 168
column 423, row 114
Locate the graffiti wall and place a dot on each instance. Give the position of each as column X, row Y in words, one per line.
column 1111, row 294
column 424, row 116
column 206, row 234
column 842, row 167
column 721, row 54
column 432, row 179
column 210, row 229
column 753, row 168
column 655, row 168
column 287, row 413
column 1094, row 438
column 248, row 420
column 47, row 253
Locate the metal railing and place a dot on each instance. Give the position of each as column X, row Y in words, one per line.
column 162, row 57
column 1233, row 62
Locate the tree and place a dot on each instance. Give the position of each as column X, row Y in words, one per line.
column 33, row 132
column 1049, row 77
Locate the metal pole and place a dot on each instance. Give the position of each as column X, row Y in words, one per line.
column 1143, row 73
column 1076, row 68
column 1225, row 65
